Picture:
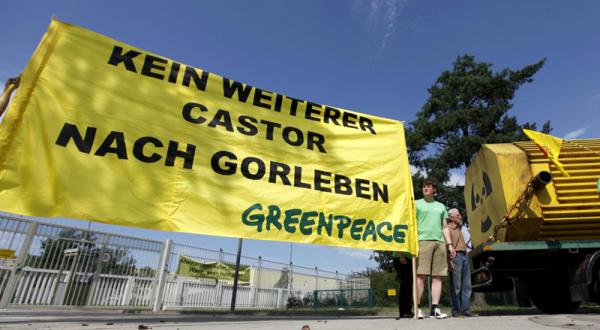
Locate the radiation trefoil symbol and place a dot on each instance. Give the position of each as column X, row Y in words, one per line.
column 478, row 199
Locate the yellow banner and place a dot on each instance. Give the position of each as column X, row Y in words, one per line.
column 549, row 145
column 7, row 254
column 215, row 270
column 100, row 130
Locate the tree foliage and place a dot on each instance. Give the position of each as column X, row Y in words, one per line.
column 381, row 281
column 53, row 256
column 284, row 278
column 467, row 107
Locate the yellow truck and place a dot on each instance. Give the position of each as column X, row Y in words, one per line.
column 534, row 227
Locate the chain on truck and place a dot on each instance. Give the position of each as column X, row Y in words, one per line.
column 533, row 227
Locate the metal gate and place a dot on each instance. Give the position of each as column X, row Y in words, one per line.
column 53, row 265
column 44, row 264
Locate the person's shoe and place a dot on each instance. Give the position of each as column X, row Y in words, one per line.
column 455, row 314
column 420, row 314
column 437, row 313
column 468, row 313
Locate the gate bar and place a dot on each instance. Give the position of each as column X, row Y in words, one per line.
column 15, row 273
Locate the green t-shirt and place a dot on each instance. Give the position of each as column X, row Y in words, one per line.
column 429, row 220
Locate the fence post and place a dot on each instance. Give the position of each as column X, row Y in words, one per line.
column 161, row 275
column 179, row 291
column 15, row 273
column 256, row 286
column 291, row 281
column 353, row 288
column 340, row 300
column 219, row 282
column 128, row 291
column 97, row 271
column 316, row 278
column 279, row 298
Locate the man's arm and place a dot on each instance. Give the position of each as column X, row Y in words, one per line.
column 9, row 88
column 446, row 232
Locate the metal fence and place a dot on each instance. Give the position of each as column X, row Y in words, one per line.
column 45, row 264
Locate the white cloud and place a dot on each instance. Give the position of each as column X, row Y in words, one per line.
column 576, row 133
column 456, row 179
column 381, row 21
column 414, row 170
column 355, row 253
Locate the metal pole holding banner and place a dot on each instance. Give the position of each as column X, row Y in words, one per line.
column 15, row 273
column 236, row 275
column 415, row 288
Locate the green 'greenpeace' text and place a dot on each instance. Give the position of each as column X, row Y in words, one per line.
column 318, row 223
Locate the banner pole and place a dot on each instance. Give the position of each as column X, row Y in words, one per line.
column 236, row 275
column 415, row 289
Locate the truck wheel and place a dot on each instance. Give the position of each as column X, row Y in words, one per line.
column 551, row 295
column 595, row 289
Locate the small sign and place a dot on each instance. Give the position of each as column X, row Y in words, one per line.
column 71, row 252
column 7, row 254
column 391, row 292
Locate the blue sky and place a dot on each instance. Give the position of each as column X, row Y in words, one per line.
column 375, row 57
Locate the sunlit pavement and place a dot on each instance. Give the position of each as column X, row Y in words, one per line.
column 34, row 319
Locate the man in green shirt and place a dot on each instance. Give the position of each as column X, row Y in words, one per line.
column 434, row 238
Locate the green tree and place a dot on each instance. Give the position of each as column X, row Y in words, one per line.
column 284, row 279
column 53, row 254
column 381, row 281
column 53, row 249
column 467, row 107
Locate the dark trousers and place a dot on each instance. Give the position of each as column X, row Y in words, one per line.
column 405, row 296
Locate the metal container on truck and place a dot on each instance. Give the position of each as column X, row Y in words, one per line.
column 533, row 227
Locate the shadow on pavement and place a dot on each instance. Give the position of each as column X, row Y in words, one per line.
column 531, row 311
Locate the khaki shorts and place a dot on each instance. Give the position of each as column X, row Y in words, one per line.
column 432, row 258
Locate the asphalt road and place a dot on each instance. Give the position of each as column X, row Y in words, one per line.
column 65, row 320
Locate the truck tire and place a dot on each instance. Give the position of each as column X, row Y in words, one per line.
column 551, row 295
column 595, row 289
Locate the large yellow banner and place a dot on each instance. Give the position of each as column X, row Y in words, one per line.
column 103, row 131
